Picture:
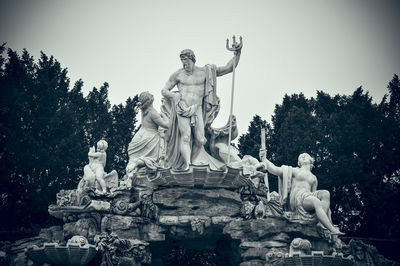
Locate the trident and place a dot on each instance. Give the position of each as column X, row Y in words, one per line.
column 235, row 47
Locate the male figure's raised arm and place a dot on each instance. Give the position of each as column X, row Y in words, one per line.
column 228, row 68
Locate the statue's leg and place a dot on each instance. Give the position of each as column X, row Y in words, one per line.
column 198, row 152
column 199, row 138
column 325, row 197
column 312, row 203
column 87, row 173
column 100, row 179
column 185, row 131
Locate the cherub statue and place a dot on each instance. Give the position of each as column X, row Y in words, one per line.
column 94, row 171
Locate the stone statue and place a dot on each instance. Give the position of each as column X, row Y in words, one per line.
column 192, row 109
column 300, row 245
column 144, row 149
column 94, row 177
column 94, row 171
column 301, row 185
column 219, row 142
column 364, row 254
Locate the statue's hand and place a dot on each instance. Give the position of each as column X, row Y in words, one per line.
column 129, row 168
column 164, row 92
column 238, row 49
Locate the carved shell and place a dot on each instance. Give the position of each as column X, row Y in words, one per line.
column 78, row 240
column 120, row 207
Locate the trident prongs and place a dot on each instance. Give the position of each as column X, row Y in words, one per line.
column 235, row 46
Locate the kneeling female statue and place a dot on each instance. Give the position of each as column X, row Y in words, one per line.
column 145, row 147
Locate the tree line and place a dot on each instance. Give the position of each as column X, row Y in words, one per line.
column 47, row 127
column 356, row 146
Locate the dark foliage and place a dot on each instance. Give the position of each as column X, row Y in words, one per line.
column 46, row 129
column 356, row 145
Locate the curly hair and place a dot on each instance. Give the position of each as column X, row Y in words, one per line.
column 309, row 156
column 189, row 53
column 145, row 100
column 102, row 144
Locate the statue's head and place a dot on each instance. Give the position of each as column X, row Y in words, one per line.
column 102, row 145
column 305, row 158
column 145, row 100
column 187, row 53
column 299, row 244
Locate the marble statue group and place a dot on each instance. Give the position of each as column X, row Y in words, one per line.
column 185, row 182
column 182, row 135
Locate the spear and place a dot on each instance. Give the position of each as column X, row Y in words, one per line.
column 235, row 47
column 263, row 148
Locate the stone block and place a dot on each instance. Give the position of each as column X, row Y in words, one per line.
column 254, row 253
column 253, row 263
column 204, row 202
column 127, row 227
column 263, row 244
column 254, row 230
column 282, row 237
column 52, row 234
column 86, row 227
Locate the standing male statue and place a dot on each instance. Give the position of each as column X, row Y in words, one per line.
column 191, row 109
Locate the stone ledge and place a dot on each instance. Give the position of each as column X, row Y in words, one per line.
column 199, row 202
column 263, row 244
column 259, row 229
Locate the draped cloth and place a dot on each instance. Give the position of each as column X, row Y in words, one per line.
column 211, row 104
column 173, row 106
column 296, row 196
column 284, row 183
column 145, row 146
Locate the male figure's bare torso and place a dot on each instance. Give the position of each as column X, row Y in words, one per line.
column 191, row 82
column 191, row 87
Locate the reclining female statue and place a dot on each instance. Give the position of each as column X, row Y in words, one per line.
column 305, row 200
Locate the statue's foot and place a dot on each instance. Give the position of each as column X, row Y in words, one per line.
column 132, row 173
column 101, row 192
column 336, row 231
column 183, row 168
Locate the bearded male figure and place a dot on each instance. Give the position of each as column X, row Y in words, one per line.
column 191, row 110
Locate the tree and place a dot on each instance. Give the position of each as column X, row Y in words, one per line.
column 121, row 133
column 294, row 130
column 46, row 129
column 99, row 119
column 34, row 130
column 250, row 143
column 355, row 143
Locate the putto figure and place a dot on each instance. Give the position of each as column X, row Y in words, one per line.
column 192, row 109
column 95, row 169
column 301, row 185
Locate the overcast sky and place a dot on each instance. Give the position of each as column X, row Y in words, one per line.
column 289, row 46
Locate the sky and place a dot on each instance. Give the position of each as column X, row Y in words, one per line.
column 288, row 46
